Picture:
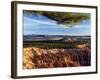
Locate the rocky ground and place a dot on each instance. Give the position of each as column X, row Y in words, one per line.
column 34, row 57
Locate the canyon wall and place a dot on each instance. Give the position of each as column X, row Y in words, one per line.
column 50, row 58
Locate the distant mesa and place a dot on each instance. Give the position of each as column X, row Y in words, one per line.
column 62, row 38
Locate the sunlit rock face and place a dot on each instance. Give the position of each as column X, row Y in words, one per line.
column 51, row 58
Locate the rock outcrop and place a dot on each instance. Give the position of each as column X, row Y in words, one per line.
column 50, row 58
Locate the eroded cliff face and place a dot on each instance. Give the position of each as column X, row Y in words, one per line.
column 50, row 58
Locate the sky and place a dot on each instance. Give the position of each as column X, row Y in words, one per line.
column 41, row 25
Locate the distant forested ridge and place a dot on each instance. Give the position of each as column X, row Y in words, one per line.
column 64, row 18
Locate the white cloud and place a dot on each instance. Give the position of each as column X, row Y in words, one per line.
column 29, row 21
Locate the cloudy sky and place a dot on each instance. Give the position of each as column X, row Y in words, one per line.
column 41, row 25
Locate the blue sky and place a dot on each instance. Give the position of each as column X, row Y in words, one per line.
column 41, row 25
